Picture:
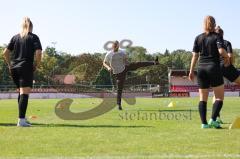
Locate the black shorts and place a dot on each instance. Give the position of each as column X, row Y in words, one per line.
column 209, row 75
column 22, row 77
column 230, row 72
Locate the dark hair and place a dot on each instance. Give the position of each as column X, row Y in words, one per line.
column 219, row 30
column 116, row 42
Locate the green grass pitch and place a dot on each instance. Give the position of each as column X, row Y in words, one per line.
column 137, row 132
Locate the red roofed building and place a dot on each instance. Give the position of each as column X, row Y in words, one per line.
column 65, row 79
column 179, row 82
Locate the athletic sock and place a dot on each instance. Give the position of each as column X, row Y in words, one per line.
column 18, row 97
column 22, row 106
column 202, row 107
column 119, row 97
column 217, row 106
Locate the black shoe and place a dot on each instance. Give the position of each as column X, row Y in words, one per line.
column 156, row 61
column 120, row 107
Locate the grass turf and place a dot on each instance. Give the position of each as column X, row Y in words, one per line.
column 140, row 131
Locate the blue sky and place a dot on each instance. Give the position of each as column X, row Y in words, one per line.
column 85, row 25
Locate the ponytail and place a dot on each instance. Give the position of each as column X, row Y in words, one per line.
column 209, row 24
column 27, row 27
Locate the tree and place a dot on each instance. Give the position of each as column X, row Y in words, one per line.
column 236, row 53
column 136, row 53
column 1, row 64
column 85, row 66
column 51, row 51
column 166, row 53
column 181, row 59
column 44, row 74
column 4, row 70
column 88, row 67
column 103, row 78
column 79, row 72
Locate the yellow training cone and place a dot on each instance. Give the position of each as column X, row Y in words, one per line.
column 33, row 117
column 172, row 104
column 235, row 124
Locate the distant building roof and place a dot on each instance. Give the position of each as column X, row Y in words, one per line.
column 65, row 79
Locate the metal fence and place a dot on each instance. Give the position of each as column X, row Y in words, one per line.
column 86, row 88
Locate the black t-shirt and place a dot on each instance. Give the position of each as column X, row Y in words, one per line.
column 228, row 47
column 23, row 49
column 207, row 45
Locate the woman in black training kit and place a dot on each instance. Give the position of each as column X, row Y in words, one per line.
column 116, row 62
column 230, row 72
column 208, row 47
column 19, row 56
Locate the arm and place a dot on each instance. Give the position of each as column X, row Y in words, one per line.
column 38, row 58
column 222, row 51
column 38, row 52
column 193, row 63
column 232, row 58
column 224, row 54
column 106, row 65
column 6, row 55
column 230, row 52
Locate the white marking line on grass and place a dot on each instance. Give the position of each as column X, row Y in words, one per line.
column 167, row 156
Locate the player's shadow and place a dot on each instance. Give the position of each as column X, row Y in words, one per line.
column 8, row 124
column 88, row 126
column 85, row 126
column 75, row 125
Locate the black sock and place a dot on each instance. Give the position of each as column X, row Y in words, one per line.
column 22, row 106
column 18, row 97
column 119, row 97
column 202, row 107
column 217, row 106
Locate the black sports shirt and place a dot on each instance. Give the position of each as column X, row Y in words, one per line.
column 23, row 49
column 227, row 47
column 207, row 45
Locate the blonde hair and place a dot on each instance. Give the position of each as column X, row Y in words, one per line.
column 209, row 24
column 27, row 27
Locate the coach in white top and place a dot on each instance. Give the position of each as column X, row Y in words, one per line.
column 116, row 62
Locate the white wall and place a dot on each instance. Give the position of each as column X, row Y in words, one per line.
column 227, row 94
column 72, row 95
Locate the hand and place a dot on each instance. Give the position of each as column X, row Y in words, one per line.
column 109, row 69
column 227, row 61
column 35, row 67
column 191, row 76
column 9, row 69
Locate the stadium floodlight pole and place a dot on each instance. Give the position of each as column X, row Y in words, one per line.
column 148, row 81
column 48, row 80
column 169, row 79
